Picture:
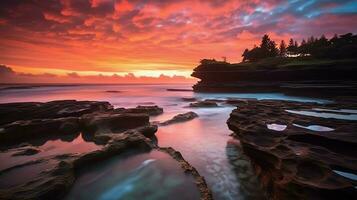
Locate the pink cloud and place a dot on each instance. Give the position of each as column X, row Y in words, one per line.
column 124, row 36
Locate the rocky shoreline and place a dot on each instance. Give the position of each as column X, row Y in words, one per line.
column 298, row 150
column 298, row 156
column 114, row 131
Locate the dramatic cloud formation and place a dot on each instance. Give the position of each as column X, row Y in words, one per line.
column 153, row 37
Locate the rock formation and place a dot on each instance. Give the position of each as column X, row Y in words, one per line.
column 150, row 110
column 180, row 118
column 50, row 110
column 188, row 99
column 50, row 176
column 292, row 161
column 292, row 77
column 203, row 104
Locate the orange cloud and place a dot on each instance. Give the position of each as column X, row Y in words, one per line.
column 152, row 37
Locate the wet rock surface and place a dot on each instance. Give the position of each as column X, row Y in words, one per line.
column 113, row 122
column 188, row 99
column 47, row 173
column 23, row 130
column 180, row 118
column 113, row 91
column 150, row 110
column 295, row 162
column 179, row 90
column 50, row 110
column 204, row 104
column 27, row 152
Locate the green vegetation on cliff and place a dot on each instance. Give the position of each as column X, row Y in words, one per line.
column 338, row 47
column 277, row 63
column 338, row 51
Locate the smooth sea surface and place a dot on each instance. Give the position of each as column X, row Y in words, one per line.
column 204, row 142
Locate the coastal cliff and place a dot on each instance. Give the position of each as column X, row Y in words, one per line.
column 276, row 74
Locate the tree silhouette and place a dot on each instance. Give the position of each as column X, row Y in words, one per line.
column 266, row 49
column 245, row 55
column 293, row 47
column 338, row 47
column 282, row 49
column 303, row 48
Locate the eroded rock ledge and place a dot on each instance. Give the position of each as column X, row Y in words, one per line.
column 114, row 131
column 294, row 162
column 206, row 193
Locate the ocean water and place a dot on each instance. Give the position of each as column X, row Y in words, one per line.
column 205, row 142
column 154, row 175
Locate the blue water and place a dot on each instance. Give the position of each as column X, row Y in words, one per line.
column 324, row 114
column 154, row 175
column 317, row 128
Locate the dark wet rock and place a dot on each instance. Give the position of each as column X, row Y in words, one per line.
column 179, row 90
column 148, row 131
column 49, row 110
column 205, row 103
column 146, row 103
column 297, row 163
column 118, row 144
column 21, row 131
column 150, row 110
column 26, row 152
column 90, row 117
column 180, row 118
column 119, row 110
column 100, row 139
column 215, row 100
column 113, row 91
column 237, row 101
column 189, row 99
column 113, row 122
column 205, row 192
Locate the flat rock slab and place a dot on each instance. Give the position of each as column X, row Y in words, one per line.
column 293, row 161
column 11, row 112
column 150, row 110
column 204, row 104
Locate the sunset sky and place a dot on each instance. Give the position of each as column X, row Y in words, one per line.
column 69, row 39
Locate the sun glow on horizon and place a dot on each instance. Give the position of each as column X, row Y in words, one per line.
column 136, row 73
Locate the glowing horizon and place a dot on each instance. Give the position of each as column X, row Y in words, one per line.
column 152, row 38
